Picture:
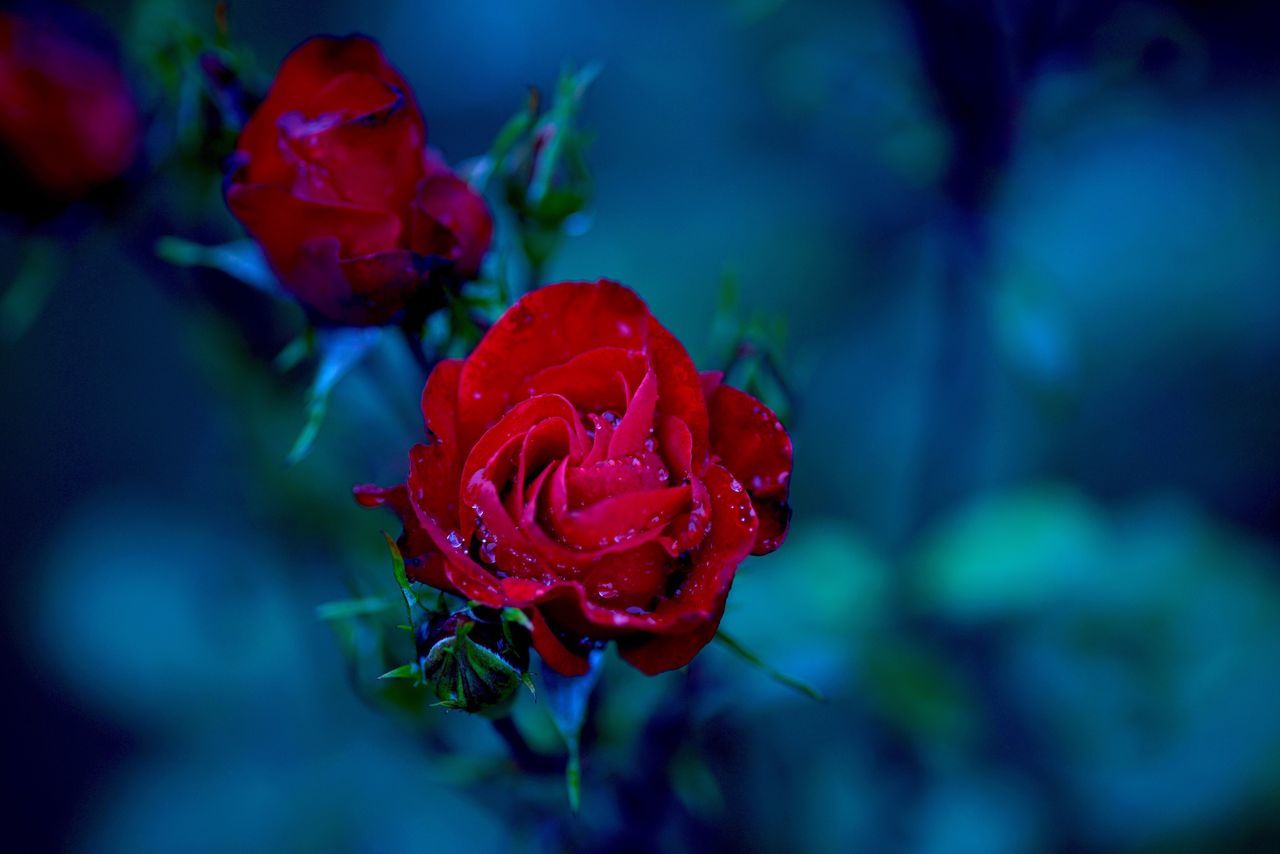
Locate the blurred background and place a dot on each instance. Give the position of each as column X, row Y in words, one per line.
column 1019, row 265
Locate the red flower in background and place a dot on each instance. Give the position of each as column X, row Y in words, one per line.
column 333, row 179
column 68, row 121
column 579, row 467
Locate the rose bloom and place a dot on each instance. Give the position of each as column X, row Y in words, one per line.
column 577, row 466
column 68, row 122
column 332, row 177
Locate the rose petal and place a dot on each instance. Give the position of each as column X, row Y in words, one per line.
column 637, row 423
column 554, row 652
column 514, row 423
column 440, row 404
column 752, row 444
column 449, row 218
column 679, row 387
column 422, row 560
column 614, row 520
column 731, row 536
column 593, row 482
column 594, row 381
column 281, row 222
column 545, row 328
column 304, row 73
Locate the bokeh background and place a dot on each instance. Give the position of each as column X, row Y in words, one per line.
column 1026, row 259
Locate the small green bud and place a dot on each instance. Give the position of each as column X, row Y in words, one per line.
column 474, row 659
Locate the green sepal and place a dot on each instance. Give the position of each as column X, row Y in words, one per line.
column 404, row 671
column 467, row 676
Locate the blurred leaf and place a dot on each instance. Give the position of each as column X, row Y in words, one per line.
column 1010, row 554
column 916, row 688
column 340, row 350
column 241, row 259
column 296, row 351
column 507, row 138
column 350, row 608
column 24, row 298
column 696, row 786
column 754, row 660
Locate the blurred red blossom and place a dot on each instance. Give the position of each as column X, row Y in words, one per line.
column 68, row 120
column 356, row 216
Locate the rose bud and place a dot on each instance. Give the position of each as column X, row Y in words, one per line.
column 579, row 468
column 358, row 219
column 473, row 661
column 68, row 121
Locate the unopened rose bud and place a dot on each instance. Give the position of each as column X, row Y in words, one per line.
column 473, row 660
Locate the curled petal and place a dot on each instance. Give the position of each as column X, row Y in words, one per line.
column 751, row 442
column 554, row 652
column 422, row 560
column 615, row 520
column 679, row 387
column 514, row 424
column 637, row 424
column 732, row 533
column 594, row 381
column 450, row 219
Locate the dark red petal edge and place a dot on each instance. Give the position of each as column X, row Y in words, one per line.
column 751, row 443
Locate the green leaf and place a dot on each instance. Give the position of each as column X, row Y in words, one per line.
column 295, row 352
column 316, row 409
column 404, row 671
column 340, row 351
column 402, row 579
column 397, row 563
column 24, row 299
column 751, row 658
column 350, row 608
column 240, row 259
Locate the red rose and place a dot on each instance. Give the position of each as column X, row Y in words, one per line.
column 68, row 122
column 579, row 467
column 332, row 177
